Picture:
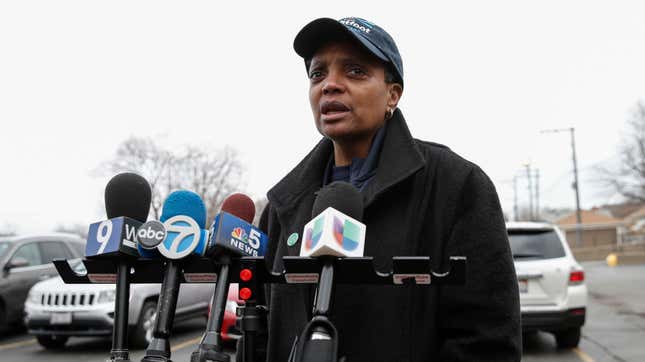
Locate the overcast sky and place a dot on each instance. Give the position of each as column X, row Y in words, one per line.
column 483, row 77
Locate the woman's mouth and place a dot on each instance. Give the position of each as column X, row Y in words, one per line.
column 333, row 110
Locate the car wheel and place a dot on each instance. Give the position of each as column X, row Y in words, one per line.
column 568, row 338
column 52, row 342
column 142, row 334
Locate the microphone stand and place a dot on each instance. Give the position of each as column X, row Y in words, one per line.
column 319, row 340
column 211, row 347
column 250, row 320
column 159, row 348
column 119, row 350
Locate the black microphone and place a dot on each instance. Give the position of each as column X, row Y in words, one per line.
column 128, row 194
column 232, row 235
column 335, row 231
column 127, row 203
column 341, row 196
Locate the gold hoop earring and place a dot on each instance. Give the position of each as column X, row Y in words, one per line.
column 389, row 113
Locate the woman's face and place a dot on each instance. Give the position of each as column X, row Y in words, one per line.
column 348, row 93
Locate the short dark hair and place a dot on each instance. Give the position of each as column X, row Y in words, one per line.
column 390, row 76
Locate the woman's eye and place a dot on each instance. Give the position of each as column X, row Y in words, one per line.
column 315, row 74
column 356, row 71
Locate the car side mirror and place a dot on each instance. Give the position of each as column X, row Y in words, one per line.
column 17, row 262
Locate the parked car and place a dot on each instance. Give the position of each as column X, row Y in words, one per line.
column 553, row 295
column 56, row 311
column 26, row 260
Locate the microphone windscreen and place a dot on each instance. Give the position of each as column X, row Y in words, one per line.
column 241, row 206
column 184, row 202
column 128, row 194
column 342, row 196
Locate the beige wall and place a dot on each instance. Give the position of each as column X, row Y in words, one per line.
column 594, row 237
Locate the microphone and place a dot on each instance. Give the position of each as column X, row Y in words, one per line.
column 127, row 203
column 335, row 231
column 182, row 210
column 181, row 234
column 232, row 235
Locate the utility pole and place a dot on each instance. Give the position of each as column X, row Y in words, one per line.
column 537, row 193
column 530, row 189
column 575, row 185
column 516, row 212
column 577, row 189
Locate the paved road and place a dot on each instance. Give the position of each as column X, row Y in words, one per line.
column 614, row 331
column 615, row 326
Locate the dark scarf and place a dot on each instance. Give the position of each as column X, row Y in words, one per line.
column 362, row 170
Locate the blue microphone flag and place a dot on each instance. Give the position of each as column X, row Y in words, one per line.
column 112, row 237
column 231, row 233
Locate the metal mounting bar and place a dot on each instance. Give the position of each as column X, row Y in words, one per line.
column 297, row 270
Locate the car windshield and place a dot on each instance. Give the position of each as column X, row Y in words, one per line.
column 4, row 246
column 535, row 244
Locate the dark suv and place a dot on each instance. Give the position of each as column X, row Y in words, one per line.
column 26, row 260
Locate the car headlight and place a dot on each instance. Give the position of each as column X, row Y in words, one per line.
column 107, row 296
column 33, row 297
column 231, row 306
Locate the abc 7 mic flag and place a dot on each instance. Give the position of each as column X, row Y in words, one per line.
column 176, row 238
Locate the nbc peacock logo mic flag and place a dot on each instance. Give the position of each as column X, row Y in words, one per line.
column 239, row 234
column 333, row 233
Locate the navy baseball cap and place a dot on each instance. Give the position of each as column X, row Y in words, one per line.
column 371, row 36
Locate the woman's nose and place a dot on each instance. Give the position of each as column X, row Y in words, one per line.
column 333, row 84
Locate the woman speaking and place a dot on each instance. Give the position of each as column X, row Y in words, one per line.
column 420, row 198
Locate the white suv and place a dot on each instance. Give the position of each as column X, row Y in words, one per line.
column 56, row 311
column 553, row 295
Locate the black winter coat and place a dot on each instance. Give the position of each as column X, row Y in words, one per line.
column 424, row 200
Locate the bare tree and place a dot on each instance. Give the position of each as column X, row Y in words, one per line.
column 145, row 157
column 260, row 205
column 213, row 174
column 628, row 177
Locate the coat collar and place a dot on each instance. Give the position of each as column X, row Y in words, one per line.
column 399, row 158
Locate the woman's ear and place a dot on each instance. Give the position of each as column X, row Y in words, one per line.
column 395, row 91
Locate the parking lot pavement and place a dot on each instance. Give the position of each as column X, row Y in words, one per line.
column 20, row 347
column 616, row 318
column 615, row 324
